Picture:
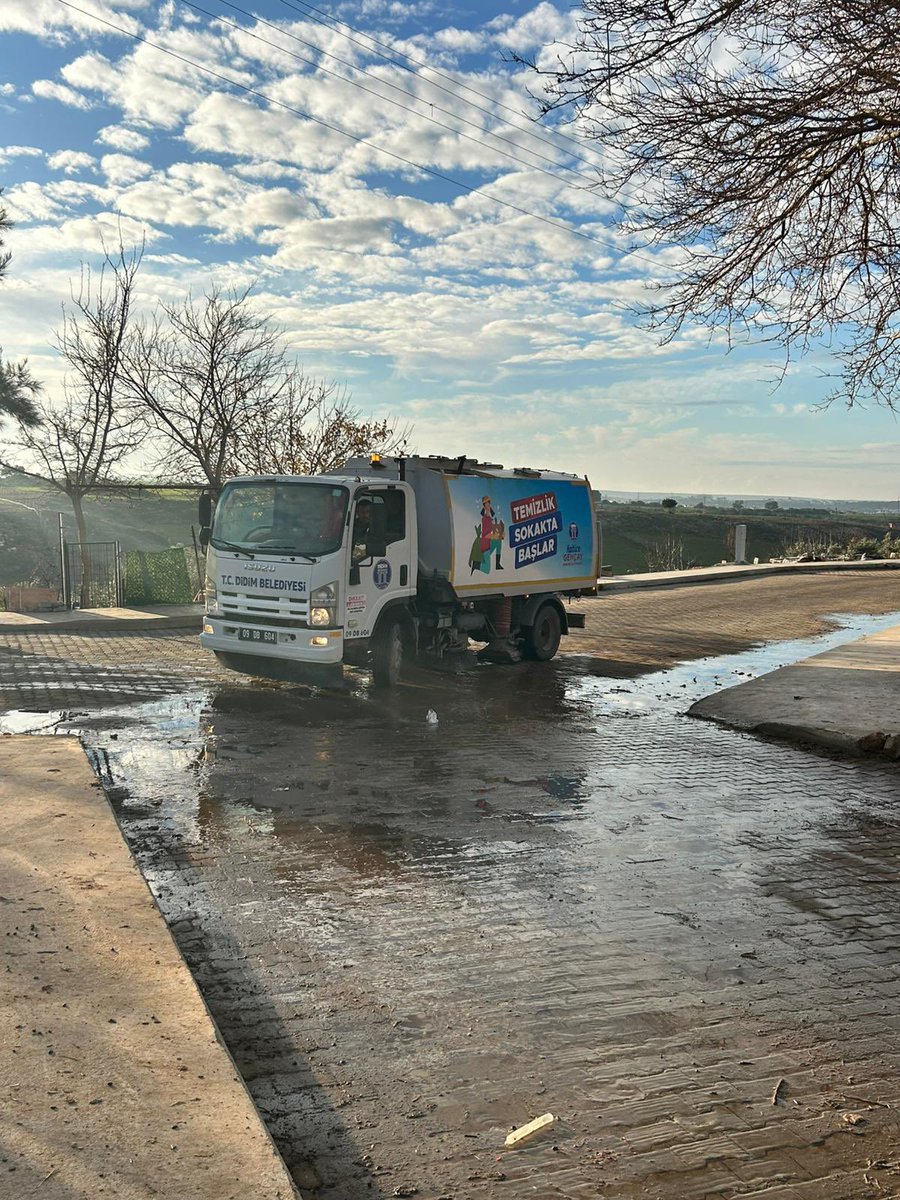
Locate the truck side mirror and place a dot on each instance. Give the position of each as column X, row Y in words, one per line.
column 205, row 513
column 205, row 509
column 376, row 547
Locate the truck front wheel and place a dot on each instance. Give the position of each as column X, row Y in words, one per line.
column 388, row 653
column 541, row 640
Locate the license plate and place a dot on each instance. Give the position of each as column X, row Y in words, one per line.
column 257, row 635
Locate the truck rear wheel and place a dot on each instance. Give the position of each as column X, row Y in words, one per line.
column 541, row 640
column 388, row 653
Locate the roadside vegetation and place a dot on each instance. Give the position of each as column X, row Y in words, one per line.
column 648, row 537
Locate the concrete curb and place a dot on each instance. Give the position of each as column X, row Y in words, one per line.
column 105, row 1037
column 729, row 574
column 105, row 624
column 865, row 745
column 844, row 699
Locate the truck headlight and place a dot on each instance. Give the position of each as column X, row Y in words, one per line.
column 212, row 596
column 323, row 605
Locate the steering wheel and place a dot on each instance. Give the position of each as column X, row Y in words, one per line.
column 256, row 529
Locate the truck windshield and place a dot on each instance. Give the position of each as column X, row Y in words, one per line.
column 281, row 518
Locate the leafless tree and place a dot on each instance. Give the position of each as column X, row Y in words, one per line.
column 197, row 370
column 762, row 137
column 311, row 428
column 214, row 380
column 18, row 387
column 80, row 442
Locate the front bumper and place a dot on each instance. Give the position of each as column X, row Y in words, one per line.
column 286, row 670
column 296, row 646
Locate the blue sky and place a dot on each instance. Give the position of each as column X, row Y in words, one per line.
column 496, row 332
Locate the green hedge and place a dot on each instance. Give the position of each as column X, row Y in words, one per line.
column 160, row 576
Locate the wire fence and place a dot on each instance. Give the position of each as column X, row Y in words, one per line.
column 92, row 577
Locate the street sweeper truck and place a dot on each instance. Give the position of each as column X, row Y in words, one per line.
column 393, row 559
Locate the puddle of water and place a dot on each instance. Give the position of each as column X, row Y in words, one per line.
column 162, row 752
column 218, row 758
column 677, row 688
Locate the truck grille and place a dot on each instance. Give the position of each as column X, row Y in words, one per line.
column 250, row 608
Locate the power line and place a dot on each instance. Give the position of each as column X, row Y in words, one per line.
column 332, row 22
column 394, row 87
column 469, row 189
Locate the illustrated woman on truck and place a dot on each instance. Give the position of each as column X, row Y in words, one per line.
column 487, row 541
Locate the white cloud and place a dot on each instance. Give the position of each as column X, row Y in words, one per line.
column 121, row 138
column 48, row 90
column 151, row 88
column 9, row 152
column 7, row 89
column 267, row 169
column 84, row 235
column 122, row 169
column 540, row 27
column 30, row 202
column 460, row 41
column 47, row 18
column 71, row 161
column 224, row 124
column 206, row 195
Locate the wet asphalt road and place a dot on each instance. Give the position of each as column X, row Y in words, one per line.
column 563, row 896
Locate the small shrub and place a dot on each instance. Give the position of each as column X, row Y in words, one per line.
column 817, row 549
column 863, row 547
column 667, row 554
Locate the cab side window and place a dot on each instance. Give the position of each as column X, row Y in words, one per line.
column 378, row 512
column 395, row 517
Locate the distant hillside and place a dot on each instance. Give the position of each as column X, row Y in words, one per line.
column 631, row 531
column 137, row 520
column 708, row 500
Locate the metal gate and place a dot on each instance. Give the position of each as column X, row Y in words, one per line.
column 92, row 577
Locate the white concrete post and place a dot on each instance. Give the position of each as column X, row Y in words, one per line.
column 740, row 543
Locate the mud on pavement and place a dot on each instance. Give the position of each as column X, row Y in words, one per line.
column 564, row 896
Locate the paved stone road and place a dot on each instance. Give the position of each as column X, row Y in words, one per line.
column 53, row 670
column 566, row 896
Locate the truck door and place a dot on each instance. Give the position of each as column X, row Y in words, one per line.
column 381, row 556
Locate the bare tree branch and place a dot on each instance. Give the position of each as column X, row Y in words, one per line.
column 309, row 430
column 761, row 137
column 216, row 384
column 196, row 371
